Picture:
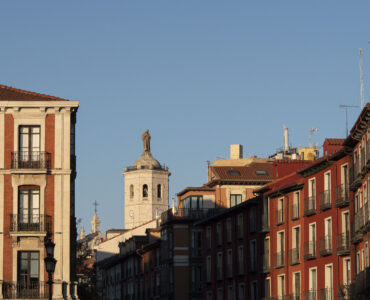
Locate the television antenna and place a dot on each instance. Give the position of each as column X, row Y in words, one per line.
column 346, row 108
column 311, row 132
column 361, row 82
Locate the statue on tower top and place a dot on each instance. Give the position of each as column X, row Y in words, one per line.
column 146, row 140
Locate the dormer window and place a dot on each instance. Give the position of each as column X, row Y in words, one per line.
column 233, row 172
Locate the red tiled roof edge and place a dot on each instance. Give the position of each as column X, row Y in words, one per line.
column 8, row 93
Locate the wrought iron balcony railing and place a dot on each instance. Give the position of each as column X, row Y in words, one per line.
column 343, row 243
column 342, row 195
column 30, row 222
column 325, row 200
column 310, row 250
column 30, row 160
column 295, row 212
column 326, row 245
column 279, row 259
column 310, row 295
column 309, row 206
column 22, row 290
column 294, row 256
column 326, row 294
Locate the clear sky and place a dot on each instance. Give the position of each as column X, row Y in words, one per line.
column 201, row 75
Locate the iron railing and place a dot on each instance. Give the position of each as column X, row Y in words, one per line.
column 294, row 256
column 30, row 160
column 326, row 245
column 23, row 290
column 295, row 212
column 309, row 250
column 342, row 195
column 325, row 200
column 343, row 243
column 310, row 295
column 279, row 259
column 310, row 206
column 279, row 216
column 326, row 294
column 344, row 292
column 30, row 222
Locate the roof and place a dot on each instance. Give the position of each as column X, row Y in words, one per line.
column 335, row 142
column 8, row 93
column 359, row 128
column 252, row 172
column 203, row 188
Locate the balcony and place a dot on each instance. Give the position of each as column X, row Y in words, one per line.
column 310, row 295
column 295, row 211
column 361, row 285
column 343, row 243
column 309, row 206
column 30, row 223
column 326, row 294
column 279, row 217
column 187, row 214
column 266, row 263
column 325, row 200
column 31, row 160
column 21, row 290
column 294, row 256
column 279, row 260
column 342, row 196
column 265, row 223
column 344, row 292
column 326, row 245
column 309, row 250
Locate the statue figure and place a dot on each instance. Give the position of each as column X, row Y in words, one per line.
column 146, row 140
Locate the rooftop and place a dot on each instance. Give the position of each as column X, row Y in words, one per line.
column 8, row 93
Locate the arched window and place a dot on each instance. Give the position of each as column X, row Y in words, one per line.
column 131, row 191
column 159, row 191
column 145, row 190
column 28, row 206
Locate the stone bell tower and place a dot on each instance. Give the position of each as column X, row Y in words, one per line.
column 146, row 188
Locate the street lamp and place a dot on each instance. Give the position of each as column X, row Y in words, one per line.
column 50, row 263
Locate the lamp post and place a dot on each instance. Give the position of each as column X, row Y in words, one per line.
column 50, row 263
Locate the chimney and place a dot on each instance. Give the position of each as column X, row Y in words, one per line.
column 286, row 139
column 236, row 151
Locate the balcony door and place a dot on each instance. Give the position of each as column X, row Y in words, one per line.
column 28, row 285
column 29, row 208
column 29, row 144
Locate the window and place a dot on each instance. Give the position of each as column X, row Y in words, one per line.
column 366, row 254
column 241, row 291
column 209, row 295
column 312, row 240
column 280, row 249
column 346, row 271
column 159, row 191
column 145, row 190
column 295, row 208
column 281, row 286
column 209, row 268
column 344, row 176
column 328, row 235
column 234, row 173
column 220, row 294
column 254, row 295
column 209, row 237
column 252, row 219
column 240, row 226
column 358, row 262
column 228, row 230
column 312, row 283
column 230, row 292
column 253, row 256
column 327, row 183
column 295, row 245
column 219, row 233
column 241, row 260
column 229, row 263
column 365, row 193
column 131, row 191
column 296, row 285
column 267, row 288
column 266, row 254
column 329, row 281
column 219, row 266
column 193, row 202
column 235, row 199
column 280, row 212
column 29, row 269
column 196, row 243
column 29, row 142
column 29, row 207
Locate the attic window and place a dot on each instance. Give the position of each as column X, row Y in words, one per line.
column 261, row 172
column 233, row 172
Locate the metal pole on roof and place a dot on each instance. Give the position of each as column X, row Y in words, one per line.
column 346, row 108
column 361, row 81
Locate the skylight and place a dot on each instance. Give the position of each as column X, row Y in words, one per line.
column 261, row 172
column 233, row 172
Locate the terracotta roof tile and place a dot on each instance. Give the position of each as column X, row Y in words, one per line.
column 335, row 142
column 8, row 93
column 252, row 172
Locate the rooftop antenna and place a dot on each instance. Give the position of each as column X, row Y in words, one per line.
column 96, row 206
column 361, row 82
column 346, row 108
column 312, row 131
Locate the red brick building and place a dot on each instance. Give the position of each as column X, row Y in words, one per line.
column 37, row 175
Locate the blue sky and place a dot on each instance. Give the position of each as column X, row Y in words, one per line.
column 200, row 75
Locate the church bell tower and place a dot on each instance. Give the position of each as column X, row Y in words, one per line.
column 146, row 188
